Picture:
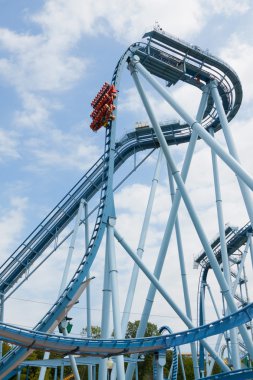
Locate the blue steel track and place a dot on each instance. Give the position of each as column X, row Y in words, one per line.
column 158, row 56
column 31, row 339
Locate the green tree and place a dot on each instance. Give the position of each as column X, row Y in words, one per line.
column 145, row 368
column 95, row 332
column 132, row 327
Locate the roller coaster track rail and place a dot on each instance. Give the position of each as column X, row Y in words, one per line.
column 107, row 347
column 234, row 241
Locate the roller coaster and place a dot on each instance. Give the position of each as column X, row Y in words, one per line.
column 159, row 58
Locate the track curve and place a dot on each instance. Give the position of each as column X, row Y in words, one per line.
column 31, row 339
column 174, row 363
column 173, row 59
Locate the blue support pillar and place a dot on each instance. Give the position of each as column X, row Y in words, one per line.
column 106, row 302
column 161, row 361
column 184, row 278
column 62, row 372
column 251, row 247
column 181, row 363
column 71, row 357
column 115, row 294
column 27, row 373
column 141, row 245
column 1, row 320
column 19, row 373
column 231, row 146
column 88, row 299
column 224, row 254
column 201, row 323
column 213, row 301
column 94, row 372
column 136, row 371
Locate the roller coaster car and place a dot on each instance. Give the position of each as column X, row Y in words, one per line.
column 103, row 107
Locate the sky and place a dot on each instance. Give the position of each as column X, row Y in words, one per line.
column 54, row 57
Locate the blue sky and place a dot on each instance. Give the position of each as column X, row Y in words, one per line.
column 54, row 56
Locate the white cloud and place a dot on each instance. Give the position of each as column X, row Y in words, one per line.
column 63, row 20
column 61, row 150
column 8, row 145
column 35, row 112
column 229, row 7
column 185, row 96
column 37, row 63
column 242, row 132
column 13, row 216
column 130, row 101
column 239, row 54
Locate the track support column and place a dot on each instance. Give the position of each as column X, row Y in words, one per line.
column 231, row 146
column 224, row 254
column 202, row 322
column 1, row 320
column 141, row 245
column 251, row 246
column 184, row 277
column 161, row 361
column 88, row 299
column 115, row 294
column 106, row 302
